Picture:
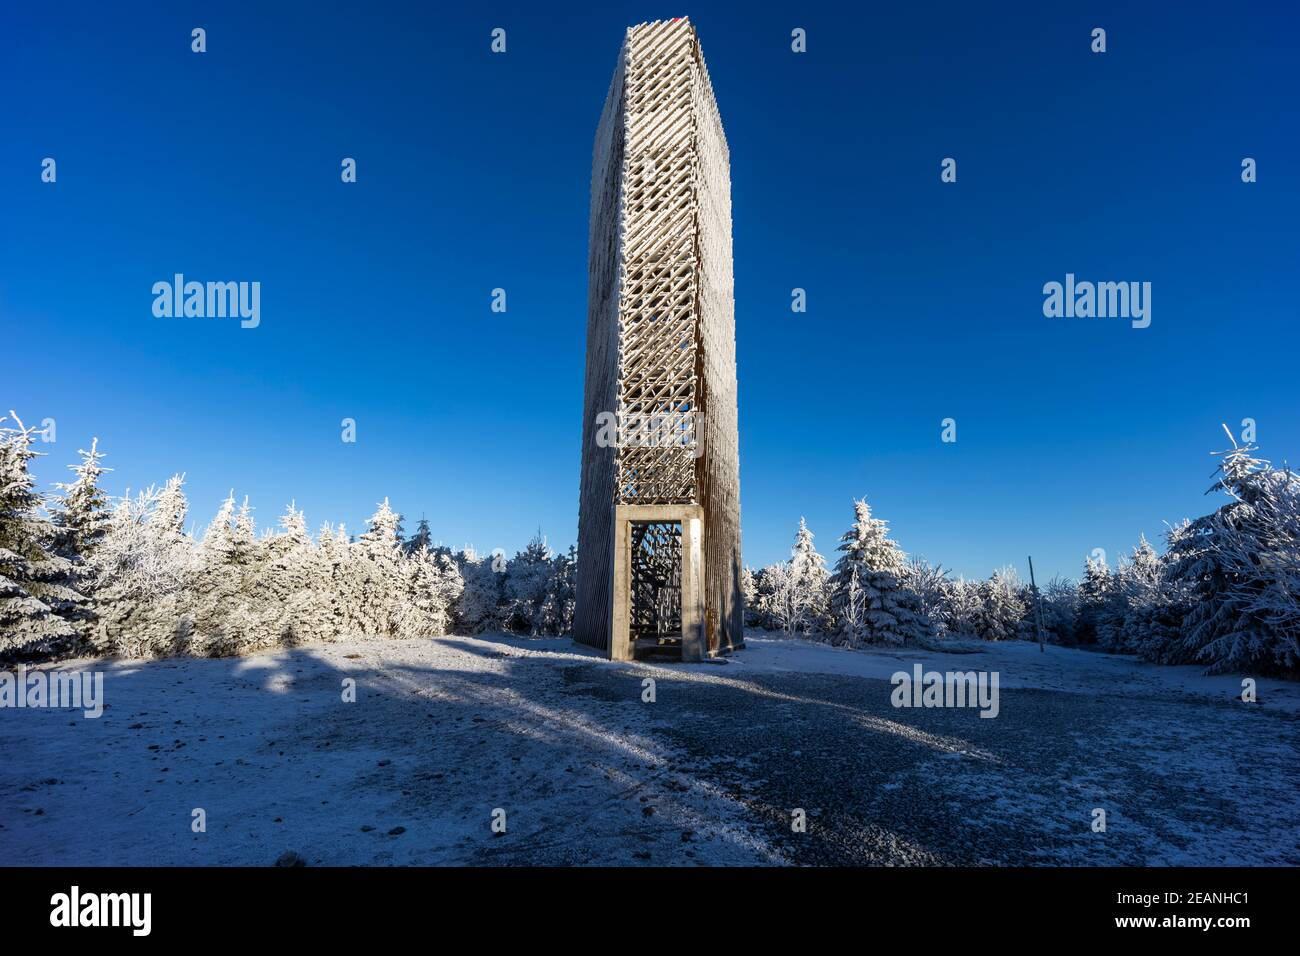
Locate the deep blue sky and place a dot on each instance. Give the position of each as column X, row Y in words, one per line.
column 924, row 299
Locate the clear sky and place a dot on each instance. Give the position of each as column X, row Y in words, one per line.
column 924, row 298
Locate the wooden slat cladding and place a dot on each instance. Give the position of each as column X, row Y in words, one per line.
column 661, row 323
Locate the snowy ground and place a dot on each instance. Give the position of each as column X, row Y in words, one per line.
column 447, row 730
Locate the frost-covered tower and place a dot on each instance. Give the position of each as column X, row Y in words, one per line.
column 659, row 522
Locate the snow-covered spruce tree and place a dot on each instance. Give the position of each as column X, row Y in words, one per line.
column 81, row 516
column 749, row 594
column 1158, row 607
column 288, row 587
column 380, row 578
column 962, row 607
column 350, row 580
column 31, row 574
column 421, row 539
column 1001, row 611
column 480, row 605
column 1094, row 593
column 561, row 594
column 1240, row 614
column 433, row 585
column 1264, row 554
column 80, row 511
column 809, row 584
column 169, row 610
column 1133, row 579
column 261, row 630
column 763, row 598
column 140, row 567
column 330, row 560
column 1144, row 562
column 893, row 612
column 214, row 585
column 1110, row 616
column 221, row 590
column 169, row 511
column 527, row 576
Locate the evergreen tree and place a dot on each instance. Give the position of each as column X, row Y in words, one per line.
column 245, row 532
column 81, row 512
column 214, row 590
column 1094, row 594
column 963, row 607
column 382, row 581
column 1116, row 617
column 169, row 510
column 561, row 594
column 433, row 585
column 1159, row 606
column 893, row 614
column 765, row 595
column 1001, row 609
column 1263, row 553
column 330, row 569
column 221, row 595
column 1228, row 562
column 288, row 587
column 81, row 519
column 352, row 581
column 480, row 604
column 808, row 586
column 32, row 591
column 421, row 539
column 749, row 594
column 527, row 576
column 140, row 567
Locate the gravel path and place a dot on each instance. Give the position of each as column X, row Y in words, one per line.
column 1181, row 780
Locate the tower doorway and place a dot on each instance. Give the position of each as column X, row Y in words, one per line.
column 657, row 592
column 655, row 611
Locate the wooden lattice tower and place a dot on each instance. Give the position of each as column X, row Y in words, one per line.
column 659, row 443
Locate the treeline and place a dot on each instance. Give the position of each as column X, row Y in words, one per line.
column 80, row 574
column 1225, row 593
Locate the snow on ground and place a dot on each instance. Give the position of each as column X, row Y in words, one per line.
column 445, row 731
column 1019, row 663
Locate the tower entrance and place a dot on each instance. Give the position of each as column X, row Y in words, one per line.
column 655, row 612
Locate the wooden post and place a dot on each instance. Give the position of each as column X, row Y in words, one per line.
column 694, row 643
column 620, row 631
column 1038, row 613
